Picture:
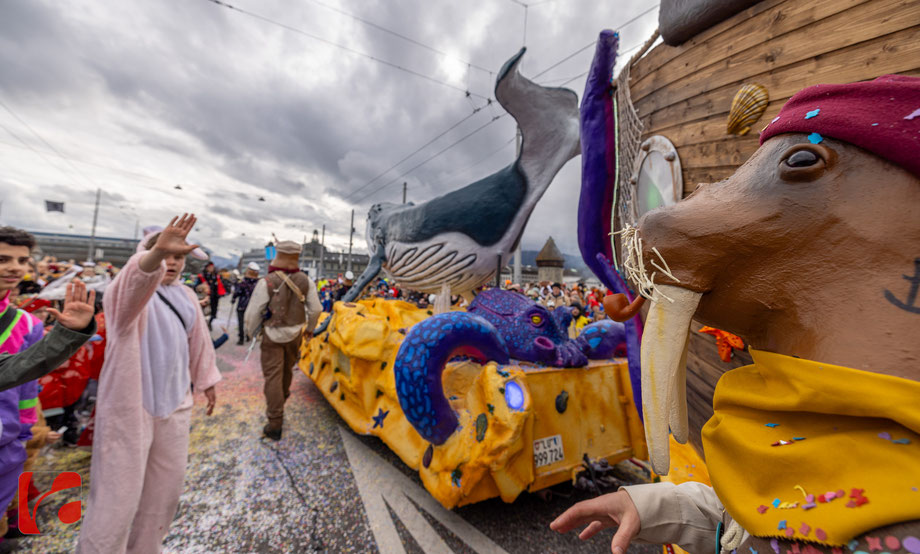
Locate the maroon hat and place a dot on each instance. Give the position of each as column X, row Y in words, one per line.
column 881, row 116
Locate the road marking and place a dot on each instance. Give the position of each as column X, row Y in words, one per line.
column 380, row 484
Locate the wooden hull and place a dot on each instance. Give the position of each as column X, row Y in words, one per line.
column 685, row 93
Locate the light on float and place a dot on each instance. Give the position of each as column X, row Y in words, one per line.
column 514, row 395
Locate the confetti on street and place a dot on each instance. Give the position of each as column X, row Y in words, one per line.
column 244, row 493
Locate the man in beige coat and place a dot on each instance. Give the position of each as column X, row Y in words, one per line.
column 287, row 307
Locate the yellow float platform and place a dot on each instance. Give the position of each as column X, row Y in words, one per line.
column 497, row 451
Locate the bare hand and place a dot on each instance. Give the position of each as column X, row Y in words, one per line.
column 601, row 513
column 79, row 307
column 172, row 238
column 211, row 395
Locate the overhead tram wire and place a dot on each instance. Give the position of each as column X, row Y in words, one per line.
column 414, row 152
column 476, row 164
column 345, row 48
column 593, row 42
column 58, row 152
column 443, row 150
column 375, row 191
column 396, row 34
column 580, row 75
column 37, row 152
column 48, row 144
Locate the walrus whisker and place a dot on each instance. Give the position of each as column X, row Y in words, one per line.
column 634, row 265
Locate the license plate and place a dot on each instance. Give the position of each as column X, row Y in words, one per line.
column 548, row 451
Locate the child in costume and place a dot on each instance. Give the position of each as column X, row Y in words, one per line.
column 158, row 348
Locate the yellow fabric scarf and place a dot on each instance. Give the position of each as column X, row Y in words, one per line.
column 846, row 429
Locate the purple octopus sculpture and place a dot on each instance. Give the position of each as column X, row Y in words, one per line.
column 499, row 325
column 534, row 334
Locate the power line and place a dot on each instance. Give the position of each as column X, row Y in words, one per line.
column 480, row 162
column 568, row 80
column 37, row 152
column 404, row 37
column 48, row 144
column 445, row 149
column 573, row 78
column 345, row 48
column 567, row 58
column 593, row 42
column 414, row 152
column 58, row 152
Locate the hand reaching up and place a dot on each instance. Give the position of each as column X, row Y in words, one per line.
column 172, row 238
column 79, row 307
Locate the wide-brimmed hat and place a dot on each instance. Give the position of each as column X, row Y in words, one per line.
column 288, row 247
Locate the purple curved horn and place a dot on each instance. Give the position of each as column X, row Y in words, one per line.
column 421, row 358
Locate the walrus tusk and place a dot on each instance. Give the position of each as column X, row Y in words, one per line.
column 619, row 308
column 664, row 372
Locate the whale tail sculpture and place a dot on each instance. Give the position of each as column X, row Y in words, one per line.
column 459, row 239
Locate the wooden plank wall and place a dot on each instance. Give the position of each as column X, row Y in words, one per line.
column 685, row 93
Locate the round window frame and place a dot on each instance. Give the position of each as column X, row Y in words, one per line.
column 660, row 144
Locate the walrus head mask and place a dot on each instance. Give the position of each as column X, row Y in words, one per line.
column 811, row 249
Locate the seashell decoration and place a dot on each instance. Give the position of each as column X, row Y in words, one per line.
column 748, row 105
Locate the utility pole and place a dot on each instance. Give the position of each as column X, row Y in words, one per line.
column 322, row 253
column 137, row 226
column 404, row 191
column 92, row 236
column 516, row 268
column 351, row 235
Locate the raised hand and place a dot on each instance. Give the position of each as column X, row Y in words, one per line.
column 172, row 238
column 609, row 510
column 79, row 307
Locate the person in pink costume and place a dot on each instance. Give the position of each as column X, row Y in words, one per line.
column 158, row 347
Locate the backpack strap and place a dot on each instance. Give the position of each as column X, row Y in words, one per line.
column 174, row 310
column 291, row 285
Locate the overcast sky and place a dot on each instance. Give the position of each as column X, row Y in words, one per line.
column 136, row 97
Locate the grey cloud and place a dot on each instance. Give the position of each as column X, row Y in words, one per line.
column 217, row 81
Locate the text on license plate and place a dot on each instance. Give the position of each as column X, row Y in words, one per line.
column 548, row 450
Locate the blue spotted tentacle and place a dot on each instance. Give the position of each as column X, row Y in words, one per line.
column 421, row 359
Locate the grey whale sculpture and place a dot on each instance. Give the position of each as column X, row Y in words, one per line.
column 453, row 242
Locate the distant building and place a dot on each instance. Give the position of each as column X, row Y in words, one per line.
column 550, row 263
column 76, row 247
column 530, row 274
column 317, row 260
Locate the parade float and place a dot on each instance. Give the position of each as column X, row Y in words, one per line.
column 758, row 174
column 497, row 399
column 688, row 109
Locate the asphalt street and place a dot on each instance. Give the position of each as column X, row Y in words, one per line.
column 320, row 489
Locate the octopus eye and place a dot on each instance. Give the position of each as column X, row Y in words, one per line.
column 802, row 158
column 536, row 319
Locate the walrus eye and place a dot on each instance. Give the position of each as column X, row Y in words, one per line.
column 802, row 158
column 805, row 162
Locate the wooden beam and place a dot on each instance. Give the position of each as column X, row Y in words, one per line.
column 895, row 53
column 737, row 40
column 663, row 53
column 853, row 30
